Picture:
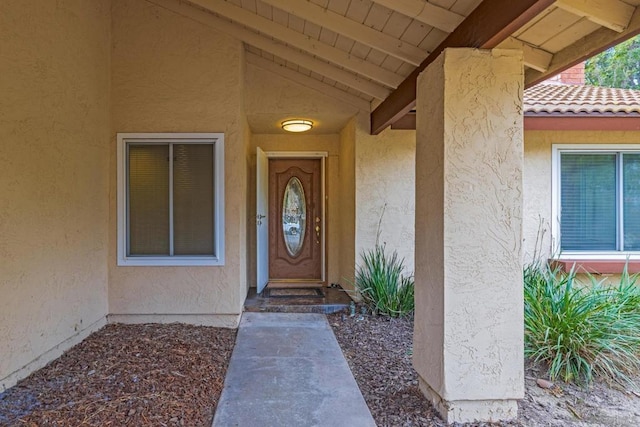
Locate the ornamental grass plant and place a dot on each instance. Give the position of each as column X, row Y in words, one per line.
column 582, row 330
column 383, row 284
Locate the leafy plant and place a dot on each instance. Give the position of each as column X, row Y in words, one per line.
column 381, row 282
column 618, row 66
column 581, row 331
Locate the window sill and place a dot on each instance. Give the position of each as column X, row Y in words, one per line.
column 169, row 262
column 595, row 266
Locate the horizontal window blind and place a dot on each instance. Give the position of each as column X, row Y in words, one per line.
column 193, row 199
column 631, row 201
column 171, row 199
column 588, row 202
column 148, row 216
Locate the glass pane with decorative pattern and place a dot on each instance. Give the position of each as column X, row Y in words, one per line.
column 294, row 216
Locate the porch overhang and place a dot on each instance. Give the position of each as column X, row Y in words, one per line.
column 492, row 22
column 394, row 109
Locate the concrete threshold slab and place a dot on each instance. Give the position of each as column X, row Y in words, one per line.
column 330, row 300
column 287, row 369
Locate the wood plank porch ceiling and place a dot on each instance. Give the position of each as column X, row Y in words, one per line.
column 369, row 53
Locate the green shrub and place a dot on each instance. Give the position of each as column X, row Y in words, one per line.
column 581, row 331
column 381, row 282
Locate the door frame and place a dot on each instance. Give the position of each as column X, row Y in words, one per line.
column 322, row 156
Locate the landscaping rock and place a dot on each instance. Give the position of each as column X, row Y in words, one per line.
column 542, row 383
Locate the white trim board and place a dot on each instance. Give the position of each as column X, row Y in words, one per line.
column 296, row 154
column 219, row 200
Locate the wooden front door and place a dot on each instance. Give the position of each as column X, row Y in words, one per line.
column 295, row 225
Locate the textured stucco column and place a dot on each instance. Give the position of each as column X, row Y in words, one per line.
column 468, row 339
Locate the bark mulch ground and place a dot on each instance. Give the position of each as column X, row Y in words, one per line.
column 379, row 350
column 172, row 375
column 137, row 375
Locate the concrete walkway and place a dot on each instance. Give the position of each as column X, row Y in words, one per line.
column 287, row 369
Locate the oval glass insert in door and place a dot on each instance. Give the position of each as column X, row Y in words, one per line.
column 294, row 216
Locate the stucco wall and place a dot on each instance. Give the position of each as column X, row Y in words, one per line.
column 54, row 128
column 171, row 74
column 468, row 340
column 347, row 203
column 537, row 178
column 385, row 181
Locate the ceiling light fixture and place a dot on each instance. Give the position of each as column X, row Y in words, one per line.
column 297, row 125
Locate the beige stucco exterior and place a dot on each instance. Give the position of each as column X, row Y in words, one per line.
column 54, row 157
column 385, row 182
column 170, row 74
column 468, row 340
column 129, row 66
column 75, row 73
column 347, row 204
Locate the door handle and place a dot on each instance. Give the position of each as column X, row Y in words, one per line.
column 259, row 218
column 317, row 230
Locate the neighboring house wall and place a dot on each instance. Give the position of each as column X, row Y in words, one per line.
column 570, row 76
column 537, row 183
column 54, row 160
column 385, row 181
column 171, row 74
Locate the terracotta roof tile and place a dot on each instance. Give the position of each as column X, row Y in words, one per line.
column 552, row 99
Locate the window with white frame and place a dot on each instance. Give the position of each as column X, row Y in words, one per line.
column 596, row 199
column 170, row 199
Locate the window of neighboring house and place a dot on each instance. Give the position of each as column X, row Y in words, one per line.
column 171, row 199
column 596, row 203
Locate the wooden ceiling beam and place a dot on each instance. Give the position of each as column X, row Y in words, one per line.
column 300, row 41
column 408, row 122
column 534, row 57
column 612, row 14
column 487, row 26
column 354, row 30
column 425, row 12
column 583, row 49
column 268, row 45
